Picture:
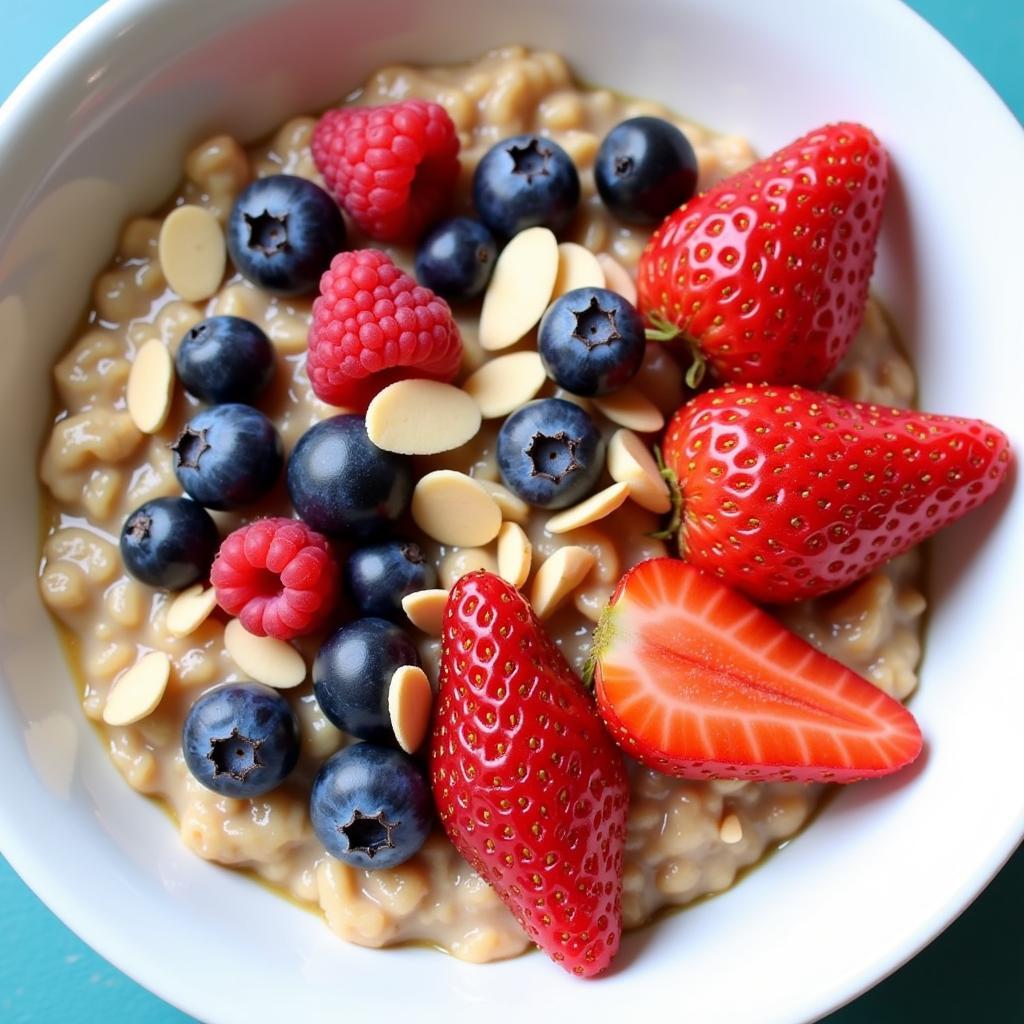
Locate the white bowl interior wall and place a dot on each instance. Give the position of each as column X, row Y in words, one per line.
column 98, row 132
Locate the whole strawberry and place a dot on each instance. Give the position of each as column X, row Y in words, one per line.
column 392, row 168
column 766, row 274
column 788, row 493
column 529, row 786
column 373, row 325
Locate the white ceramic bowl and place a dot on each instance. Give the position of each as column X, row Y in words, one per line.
column 98, row 130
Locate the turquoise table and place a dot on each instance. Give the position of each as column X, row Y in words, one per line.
column 972, row 973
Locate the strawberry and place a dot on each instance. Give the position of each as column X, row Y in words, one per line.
column 529, row 786
column 694, row 680
column 766, row 274
column 787, row 493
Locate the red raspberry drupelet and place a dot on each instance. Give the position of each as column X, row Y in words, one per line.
column 392, row 168
column 374, row 325
column 277, row 576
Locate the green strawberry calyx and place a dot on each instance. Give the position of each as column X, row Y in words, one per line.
column 675, row 520
column 662, row 329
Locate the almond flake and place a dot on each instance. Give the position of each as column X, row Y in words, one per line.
column 421, row 417
column 139, row 690
column 630, row 462
column 192, row 252
column 558, row 577
column 513, row 508
column 632, row 409
column 454, row 509
column 189, row 610
column 515, row 553
column 577, row 268
column 501, row 385
column 425, row 610
column 596, row 507
column 264, row 658
column 409, row 702
column 150, row 387
column 520, row 288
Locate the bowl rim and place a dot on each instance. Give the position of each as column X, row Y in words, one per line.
column 100, row 30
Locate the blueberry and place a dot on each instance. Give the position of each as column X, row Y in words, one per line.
column 283, row 233
column 371, row 806
column 342, row 483
column 225, row 359
column 352, row 674
column 241, row 739
column 644, row 169
column 525, row 181
column 456, row 258
column 591, row 341
column 169, row 542
column 228, row 457
column 550, row 453
column 377, row 577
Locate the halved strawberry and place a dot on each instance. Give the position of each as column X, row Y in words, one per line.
column 694, row 680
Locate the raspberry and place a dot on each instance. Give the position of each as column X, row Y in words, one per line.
column 391, row 168
column 278, row 576
column 373, row 325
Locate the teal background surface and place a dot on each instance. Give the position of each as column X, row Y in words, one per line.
column 974, row 972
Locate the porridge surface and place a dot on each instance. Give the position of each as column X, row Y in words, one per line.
column 685, row 839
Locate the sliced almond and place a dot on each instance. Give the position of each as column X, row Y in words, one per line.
column 730, row 830
column 425, row 610
column 454, row 509
column 409, row 702
column 616, row 277
column 515, row 554
column 630, row 462
column 139, row 690
column 513, row 508
column 150, row 387
column 264, row 658
column 421, row 417
column 501, row 385
column 558, row 577
column 596, row 507
column 577, row 268
column 192, row 252
column 632, row 409
column 189, row 610
column 520, row 288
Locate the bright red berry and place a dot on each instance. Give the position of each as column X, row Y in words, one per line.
column 277, row 576
column 788, row 493
column 694, row 680
column 392, row 168
column 527, row 782
column 766, row 274
column 374, row 325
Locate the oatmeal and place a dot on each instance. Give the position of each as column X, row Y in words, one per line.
column 685, row 839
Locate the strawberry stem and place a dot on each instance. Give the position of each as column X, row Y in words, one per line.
column 676, row 515
column 662, row 329
column 695, row 374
